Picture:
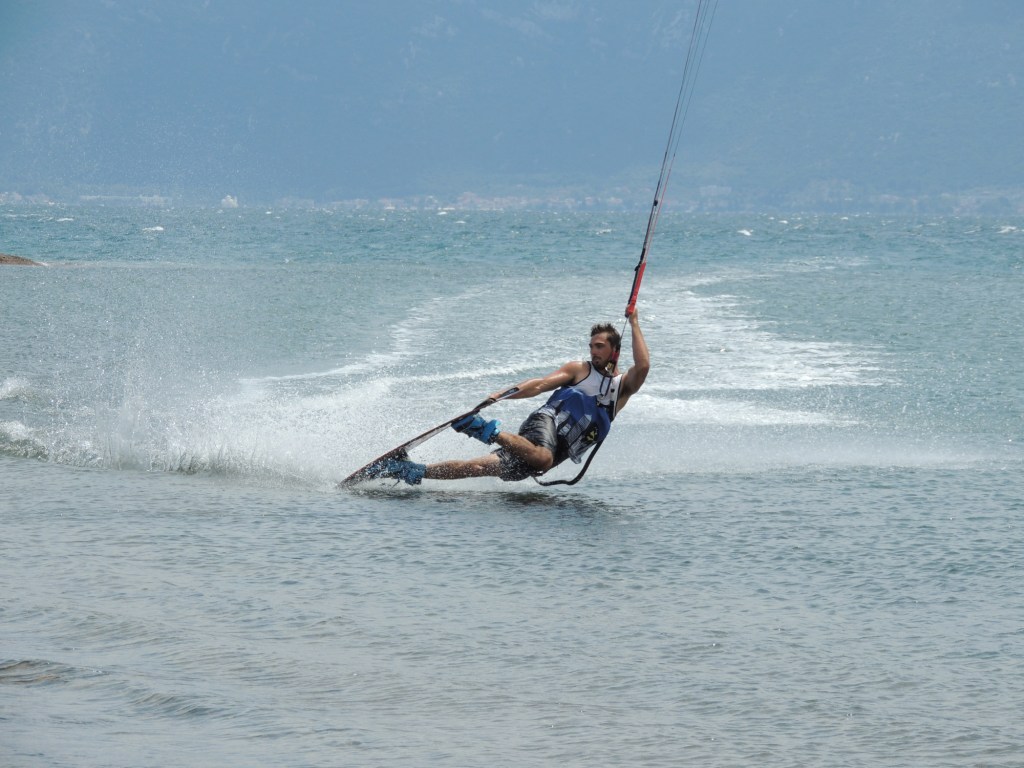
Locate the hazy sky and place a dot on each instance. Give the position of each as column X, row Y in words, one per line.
column 348, row 98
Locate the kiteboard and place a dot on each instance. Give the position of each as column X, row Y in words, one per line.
column 401, row 452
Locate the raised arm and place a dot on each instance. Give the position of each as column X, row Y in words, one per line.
column 637, row 373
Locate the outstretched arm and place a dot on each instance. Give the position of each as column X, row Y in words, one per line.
column 567, row 374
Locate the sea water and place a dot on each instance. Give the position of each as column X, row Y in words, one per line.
column 801, row 545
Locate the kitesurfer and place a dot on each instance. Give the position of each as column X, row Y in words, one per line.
column 577, row 416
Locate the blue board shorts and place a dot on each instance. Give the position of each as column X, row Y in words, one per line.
column 539, row 429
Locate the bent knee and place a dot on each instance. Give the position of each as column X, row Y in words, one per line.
column 542, row 460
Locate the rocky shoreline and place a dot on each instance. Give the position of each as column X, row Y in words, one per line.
column 19, row 260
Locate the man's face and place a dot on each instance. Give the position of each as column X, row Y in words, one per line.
column 600, row 350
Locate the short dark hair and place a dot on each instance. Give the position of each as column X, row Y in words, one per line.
column 613, row 336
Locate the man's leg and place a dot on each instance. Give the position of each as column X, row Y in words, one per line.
column 537, row 457
column 456, row 469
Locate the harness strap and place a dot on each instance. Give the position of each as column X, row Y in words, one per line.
column 578, row 477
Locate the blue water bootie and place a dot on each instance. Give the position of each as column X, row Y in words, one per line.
column 476, row 426
column 407, row 471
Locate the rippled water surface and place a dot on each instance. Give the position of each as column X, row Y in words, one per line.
column 801, row 546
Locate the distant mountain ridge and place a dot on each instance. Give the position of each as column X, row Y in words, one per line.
column 803, row 104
